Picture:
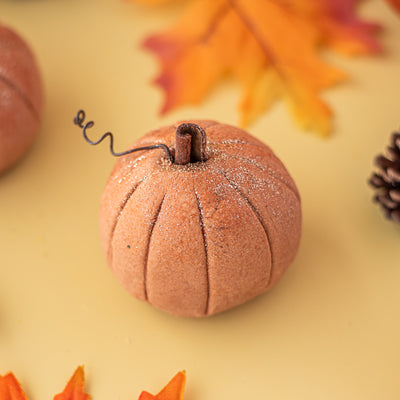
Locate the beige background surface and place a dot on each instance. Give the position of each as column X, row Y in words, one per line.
column 330, row 330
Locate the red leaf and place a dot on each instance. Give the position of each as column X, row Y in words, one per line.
column 395, row 4
column 345, row 32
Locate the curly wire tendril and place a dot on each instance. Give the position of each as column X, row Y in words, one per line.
column 80, row 119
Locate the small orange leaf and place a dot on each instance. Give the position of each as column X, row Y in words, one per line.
column 271, row 47
column 75, row 389
column 10, row 389
column 173, row 390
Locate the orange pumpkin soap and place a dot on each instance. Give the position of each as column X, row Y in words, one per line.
column 20, row 98
column 202, row 225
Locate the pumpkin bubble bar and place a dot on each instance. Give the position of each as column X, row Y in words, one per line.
column 205, row 228
column 20, row 98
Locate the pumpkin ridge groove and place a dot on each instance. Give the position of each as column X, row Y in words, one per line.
column 297, row 196
column 121, row 209
column 21, row 95
column 248, row 160
column 203, row 233
column 257, row 215
column 146, row 259
column 290, row 189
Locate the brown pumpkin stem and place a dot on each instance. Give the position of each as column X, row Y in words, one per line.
column 190, row 144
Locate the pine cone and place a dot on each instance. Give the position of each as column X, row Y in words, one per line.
column 387, row 180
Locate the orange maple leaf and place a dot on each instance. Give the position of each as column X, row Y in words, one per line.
column 173, row 390
column 270, row 46
column 10, row 389
column 75, row 389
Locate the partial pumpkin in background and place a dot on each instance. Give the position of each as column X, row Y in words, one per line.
column 204, row 231
column 21, row 98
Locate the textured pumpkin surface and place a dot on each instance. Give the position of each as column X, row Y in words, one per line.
column 200, row 238
column 20, row 98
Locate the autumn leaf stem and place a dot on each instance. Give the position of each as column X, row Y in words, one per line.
column 253, row 31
